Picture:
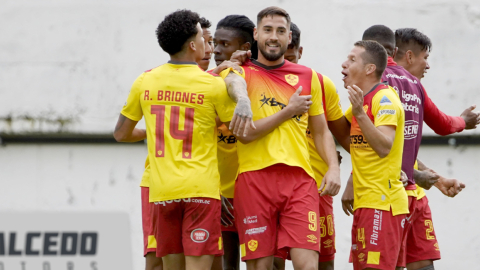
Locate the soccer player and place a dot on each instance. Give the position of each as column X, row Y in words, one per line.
column 276, row 198
column 180, row 117
column 376, row 146
column 413, row 51
column 208, row 38
column 340, row 128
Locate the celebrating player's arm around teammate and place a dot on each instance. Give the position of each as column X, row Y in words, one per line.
column 186, row 210
column 376, row 147
column 276, row 198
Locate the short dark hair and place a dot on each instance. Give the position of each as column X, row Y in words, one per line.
column 176, row 30
column 243, row 27
column 412, row 39
column 241, row 24
column 295, row 36
column 375, row 54
column 383, row 35
column 271, row 11
column 204, row 23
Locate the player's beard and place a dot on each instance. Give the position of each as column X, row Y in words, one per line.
column 272, row 56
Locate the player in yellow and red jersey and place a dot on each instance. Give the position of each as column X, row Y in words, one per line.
column 376, row 147
column 340, row 128
column 276, row 198
column 180, row 102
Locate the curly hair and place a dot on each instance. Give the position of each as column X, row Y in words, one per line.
column 204, row 23
column 176, row 30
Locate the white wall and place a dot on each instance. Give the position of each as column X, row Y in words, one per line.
column 99, row 178
column 68, row 65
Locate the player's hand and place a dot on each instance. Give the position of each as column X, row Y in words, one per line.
column 347, row 198
column 225, row 65
column 242, row 118
column 331, row 182
column 339, row 157
column 227, row 216
column 426, row 179
column 298, row 105
column 355, row 95
column 240, row 56
column 449, row 187
column 472, row 119
column 404, row 178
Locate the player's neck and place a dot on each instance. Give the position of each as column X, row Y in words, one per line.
column 183, row 58
column 367, row 85
column 262, row 60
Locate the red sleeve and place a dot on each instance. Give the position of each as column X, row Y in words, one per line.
column 441, row 123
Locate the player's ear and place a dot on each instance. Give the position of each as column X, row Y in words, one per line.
column 246, row 46
column 255, row 33
column 370, row 68
column 290, row 37
column 191, row 45
column 300, row 52
column 410, row 57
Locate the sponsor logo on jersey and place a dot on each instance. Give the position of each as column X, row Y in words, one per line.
column 409, row 97
column 253, row 245
column 164, row 203
column 226, row 139
column 252, row 68
column 410, row 130
column 258, row 230
column 199, row 235
column 291, row 79
column 272, row 102
column 385, row 101
column 250, row 220
column 312, row 238
column 401, row 78
column 386, row 112
column 328, row 243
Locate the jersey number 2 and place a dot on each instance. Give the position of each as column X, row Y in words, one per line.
column 186, row 135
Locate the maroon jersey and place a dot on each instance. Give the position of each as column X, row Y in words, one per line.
column 411, row 94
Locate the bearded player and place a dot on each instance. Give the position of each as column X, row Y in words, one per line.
column 276, row 198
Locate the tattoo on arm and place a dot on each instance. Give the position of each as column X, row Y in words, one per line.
column 236, row 87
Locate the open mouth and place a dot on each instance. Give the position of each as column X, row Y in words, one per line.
column 344, row 75
column 273, row 46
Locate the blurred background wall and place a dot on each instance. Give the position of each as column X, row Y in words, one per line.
column 66, row 68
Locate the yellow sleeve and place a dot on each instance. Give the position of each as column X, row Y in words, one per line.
column 224, row 105
column 332, row 100
column 132, row 108
column 384, row 108
column 317, row 104
column 348, row 114
column 225, row 72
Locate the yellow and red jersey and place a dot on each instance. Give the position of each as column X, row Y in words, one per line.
column 333, row 111
column 146, row 174
column 269, row 90
column 376, row 180
column 180, row 103
column 227, row 160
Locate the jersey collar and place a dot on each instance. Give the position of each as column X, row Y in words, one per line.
column 390, row 62
column 181, row 63
column 267, row 67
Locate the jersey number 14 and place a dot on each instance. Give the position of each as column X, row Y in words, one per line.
column 186, row 135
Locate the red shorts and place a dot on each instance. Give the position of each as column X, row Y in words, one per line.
column 412, row 205
column 276, row 207
column 327, row 229
column 149, row 242
column 376, row 239
column 327, row 232
column 190, row 226
column 421, row 239
column 230, row 228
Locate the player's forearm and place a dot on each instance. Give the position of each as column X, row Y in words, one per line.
column 341, row 131
column 323, row 139
column 236, row 87
column 136, row 135
column 265, row 126
column 379, row 142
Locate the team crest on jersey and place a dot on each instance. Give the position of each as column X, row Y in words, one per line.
column 253, row 245
column 199, row 235
column 291, row 79
column 365, row 108
column 385, row 101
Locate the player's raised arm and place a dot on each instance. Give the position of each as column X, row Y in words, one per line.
column 242, row 119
